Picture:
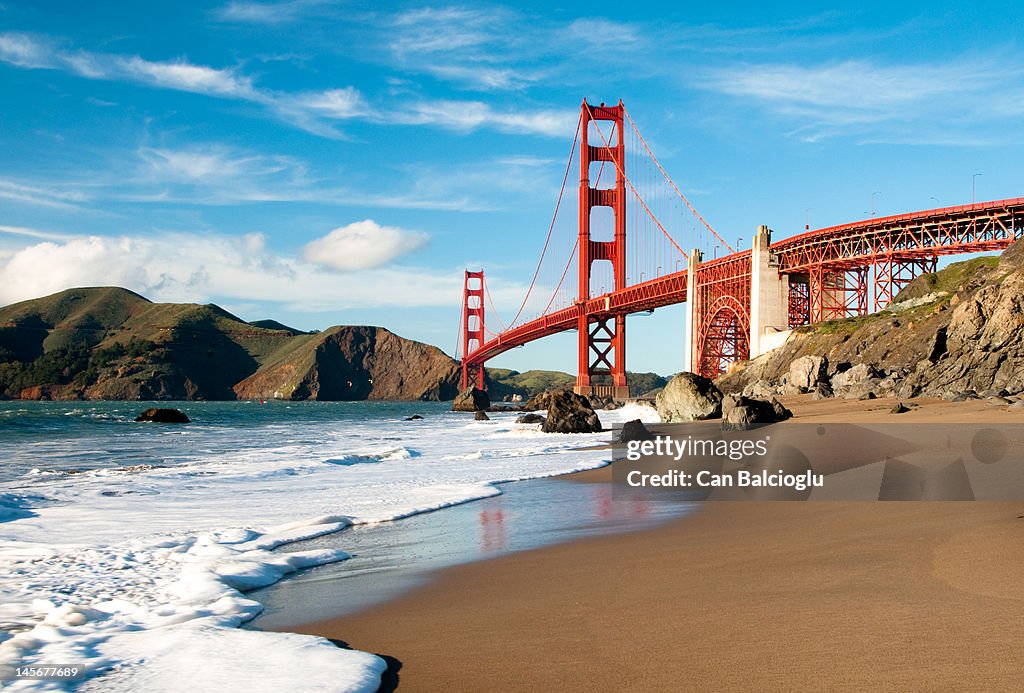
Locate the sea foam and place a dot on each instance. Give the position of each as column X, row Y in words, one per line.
column 142, row 576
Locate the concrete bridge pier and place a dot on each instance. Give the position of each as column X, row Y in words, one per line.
column 692, row 312
column 769, row 297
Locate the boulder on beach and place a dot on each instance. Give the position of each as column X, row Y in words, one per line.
column 530, row 419
column 689, row 397
column 163, row 416
column 570, row 413
column 482, row 416
column 471, row 399
column 807, row 371
column 740, row 413
column 538, row 401
column 634, row 430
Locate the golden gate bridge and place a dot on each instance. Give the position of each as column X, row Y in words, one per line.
column 618, row 248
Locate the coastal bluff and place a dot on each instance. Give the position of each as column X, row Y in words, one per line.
column 109, row 343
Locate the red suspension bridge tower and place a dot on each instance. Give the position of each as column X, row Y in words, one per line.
column 472, row 327
column 602, row 339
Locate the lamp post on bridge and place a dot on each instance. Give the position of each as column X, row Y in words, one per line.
column 739, row 243
column 972, row 186
column 807, row 218
column 877, row 192
column 716, row 253
column 937, row 203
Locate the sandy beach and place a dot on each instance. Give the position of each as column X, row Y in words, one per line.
column 738, row 596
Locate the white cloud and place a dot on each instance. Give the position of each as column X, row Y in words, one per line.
column 200, row 268
column 362, row 245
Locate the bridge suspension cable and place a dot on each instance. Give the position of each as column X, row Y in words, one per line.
column 622, row 172
column 689, row 206
column 551, row 227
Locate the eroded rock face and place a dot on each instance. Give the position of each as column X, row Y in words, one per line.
column 354, row 363
column 471, row 399
column 984, row 345
column 570, row 413
column 689, row 397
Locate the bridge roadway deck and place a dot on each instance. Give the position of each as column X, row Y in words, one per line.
column 976, row 227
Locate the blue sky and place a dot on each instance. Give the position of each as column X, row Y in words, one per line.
column 341, row 163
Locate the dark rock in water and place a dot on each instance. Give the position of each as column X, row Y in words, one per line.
column 635, row 430
column 531, row 419
column 414, row 417
column 570, row 413
column 689, row 397
column 900, row 408
column 482, row 416
column 163, row 416
column 471, row 399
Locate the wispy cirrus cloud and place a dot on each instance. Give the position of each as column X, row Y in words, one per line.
column 314, row 111
column 60, row 197
column 243, row 12
column 215, row 174
column 470, row 115
column 923, row 102
column 478, row 48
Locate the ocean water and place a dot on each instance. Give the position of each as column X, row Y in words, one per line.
column 131, row 550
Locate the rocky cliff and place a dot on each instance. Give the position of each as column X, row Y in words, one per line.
column 958, row 333
column 110, row 343
column 353, row 363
